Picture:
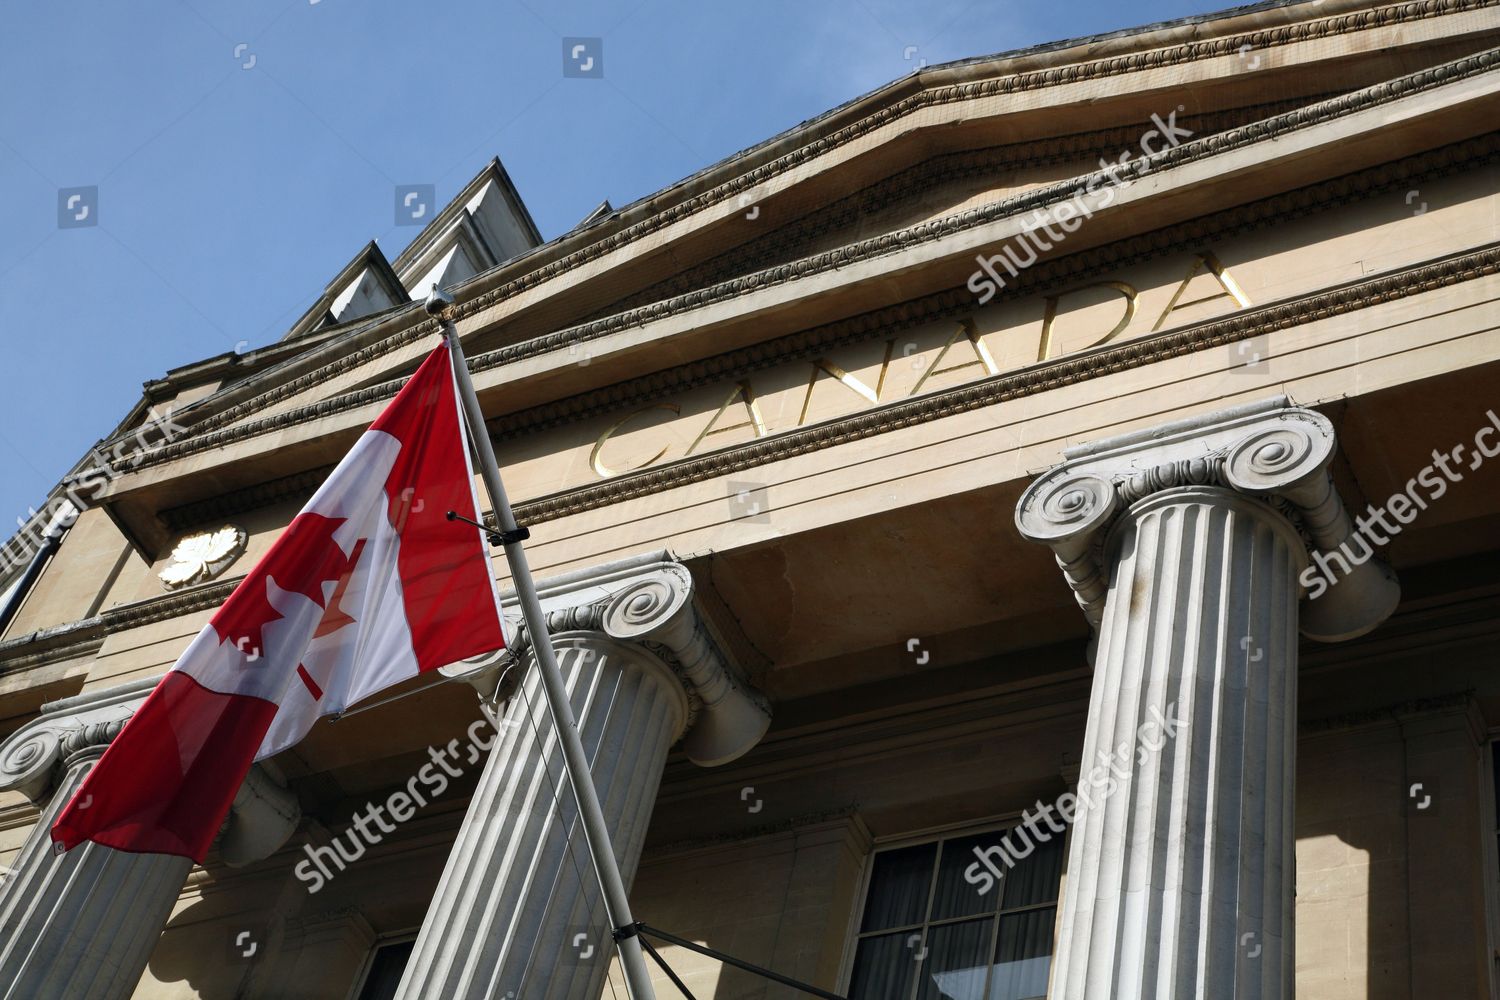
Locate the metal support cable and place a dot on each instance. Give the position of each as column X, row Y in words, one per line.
column 641, row 929
column 655, row 955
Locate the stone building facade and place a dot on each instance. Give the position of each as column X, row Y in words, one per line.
column 1030, row 531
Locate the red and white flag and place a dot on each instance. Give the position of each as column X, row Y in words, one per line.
column 370, row 585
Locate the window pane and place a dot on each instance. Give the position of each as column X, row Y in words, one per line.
column 385, row 971
column 1495, row 773
column 1035, row 877
column 956, row 897
column 957, row 961
column 898, row 888
column 884, row 969
column 1023, row 955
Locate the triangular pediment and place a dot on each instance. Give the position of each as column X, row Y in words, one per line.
column 484, row 226
column 365, row 286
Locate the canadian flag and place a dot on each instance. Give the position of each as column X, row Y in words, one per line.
column 371, row 584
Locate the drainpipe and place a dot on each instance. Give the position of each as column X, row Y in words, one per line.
column 51, row 542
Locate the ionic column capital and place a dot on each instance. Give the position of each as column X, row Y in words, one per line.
column 77, row 730
column 264, row 815
column 34, row 757
column 1272, row 451
column 650, row 602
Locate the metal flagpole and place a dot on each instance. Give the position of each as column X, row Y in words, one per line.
column 638, row 979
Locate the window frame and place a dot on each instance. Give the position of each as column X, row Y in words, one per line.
column 368, row 965
column 936, row 835
column 1489, row 819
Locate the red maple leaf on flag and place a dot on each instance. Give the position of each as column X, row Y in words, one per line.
column 304, row 559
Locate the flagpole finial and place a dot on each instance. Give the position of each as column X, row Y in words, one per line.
column 439, row 304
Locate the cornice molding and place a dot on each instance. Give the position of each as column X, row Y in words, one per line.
column 994, row 87
column 1027, row 381
column 83, row 637
column 1043, row 277
column 76, row 641
column 1265, row 130
column 299, row 485
column 784, row 243
column 310, row 379
column 38, row 648
column 173, row 605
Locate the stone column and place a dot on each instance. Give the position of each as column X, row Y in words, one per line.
column 84, row 923
column 518, row 912
column 1185, row 546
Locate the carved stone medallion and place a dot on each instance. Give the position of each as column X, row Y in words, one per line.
column 203, row 555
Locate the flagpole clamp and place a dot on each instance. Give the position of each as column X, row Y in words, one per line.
column 519, row 534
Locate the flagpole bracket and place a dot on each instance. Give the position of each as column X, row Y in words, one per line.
column 518, row 534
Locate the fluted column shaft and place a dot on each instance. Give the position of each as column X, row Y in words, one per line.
column 83, row 923
column 519, row 890
column 1180, row 878
column 1185, row 546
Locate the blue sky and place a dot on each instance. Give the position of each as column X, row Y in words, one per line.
column 244, row 151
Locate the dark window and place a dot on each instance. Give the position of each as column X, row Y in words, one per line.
column 386, row 967
column 1495, row 776
column 929, row 933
